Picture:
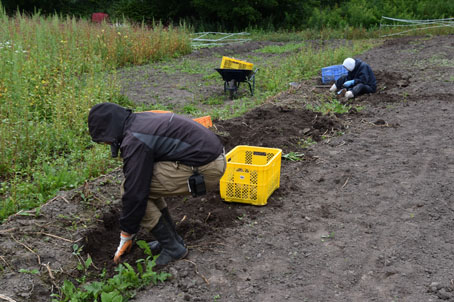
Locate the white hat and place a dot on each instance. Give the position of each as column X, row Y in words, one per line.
column 349, row 64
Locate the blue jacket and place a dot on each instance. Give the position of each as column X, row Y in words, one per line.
column 362, row 73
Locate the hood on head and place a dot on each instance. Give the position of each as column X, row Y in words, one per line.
column 106, row 122
column 349, row 64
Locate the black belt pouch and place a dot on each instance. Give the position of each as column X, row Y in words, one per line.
column 196, row 184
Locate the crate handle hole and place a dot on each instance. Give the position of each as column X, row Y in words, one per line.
column 259, row 153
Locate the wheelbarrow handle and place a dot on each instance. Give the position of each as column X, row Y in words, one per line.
column 252, row 76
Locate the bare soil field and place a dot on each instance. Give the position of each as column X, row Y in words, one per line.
column 366, row 216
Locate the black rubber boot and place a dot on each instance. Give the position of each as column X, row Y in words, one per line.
column 171, row 249
column 155, row 246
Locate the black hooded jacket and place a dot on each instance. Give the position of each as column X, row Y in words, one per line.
column 145, row 138
column 362, row 73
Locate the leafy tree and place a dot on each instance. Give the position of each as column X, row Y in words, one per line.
column 171, row 10
column 45, row 6
column 133, row 10
column 361, row 14
column 235, row 14
column 240, row 14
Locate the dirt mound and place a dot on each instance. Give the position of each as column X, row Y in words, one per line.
column 276, row 126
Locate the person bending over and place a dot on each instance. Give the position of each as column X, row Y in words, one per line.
column 359, row 80
column 161, row 153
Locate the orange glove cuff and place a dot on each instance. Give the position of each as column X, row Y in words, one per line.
column 124, row 247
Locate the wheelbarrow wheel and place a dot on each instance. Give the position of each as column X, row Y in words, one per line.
column 232, row 88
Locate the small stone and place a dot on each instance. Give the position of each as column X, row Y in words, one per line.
column 436, row 285
column 174, row 273
column 442, row 294
column 294, row 85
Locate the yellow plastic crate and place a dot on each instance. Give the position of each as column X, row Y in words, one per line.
column 231, row 63
column 252, row 174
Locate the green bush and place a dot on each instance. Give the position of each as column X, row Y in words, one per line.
column 134, row 10
column 360, row 13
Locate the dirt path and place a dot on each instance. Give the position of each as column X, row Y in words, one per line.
column 369, row 220
column 367, row 216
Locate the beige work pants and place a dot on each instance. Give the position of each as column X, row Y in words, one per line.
column 171, row 179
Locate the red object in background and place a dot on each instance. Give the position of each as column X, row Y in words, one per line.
column 98, row 17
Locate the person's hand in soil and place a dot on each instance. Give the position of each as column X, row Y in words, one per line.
column 124, row 247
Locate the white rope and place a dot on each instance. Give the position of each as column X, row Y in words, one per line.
column 416, row 21
column 427, row 24
column 226, row 38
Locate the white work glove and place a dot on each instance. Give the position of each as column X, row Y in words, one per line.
column 124, row 247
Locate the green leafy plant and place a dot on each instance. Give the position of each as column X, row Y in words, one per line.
column 118, row 288
column 82, row 265
column 330, row 107
column 241, row 217
column 190, row 109
column 214, row 100
column 306, row 143
column 28, row 271
column 294, row 156
column 359, row 108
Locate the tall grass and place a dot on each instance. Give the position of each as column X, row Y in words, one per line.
column 52, row 71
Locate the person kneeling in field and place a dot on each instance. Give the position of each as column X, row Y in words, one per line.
column 359, row 80
column 162, row 153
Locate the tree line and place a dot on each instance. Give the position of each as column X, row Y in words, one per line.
column 243, row 14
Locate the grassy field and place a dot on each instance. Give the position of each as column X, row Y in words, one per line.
column 52, row 71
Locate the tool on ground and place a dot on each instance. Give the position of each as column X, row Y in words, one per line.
column 342, row 91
